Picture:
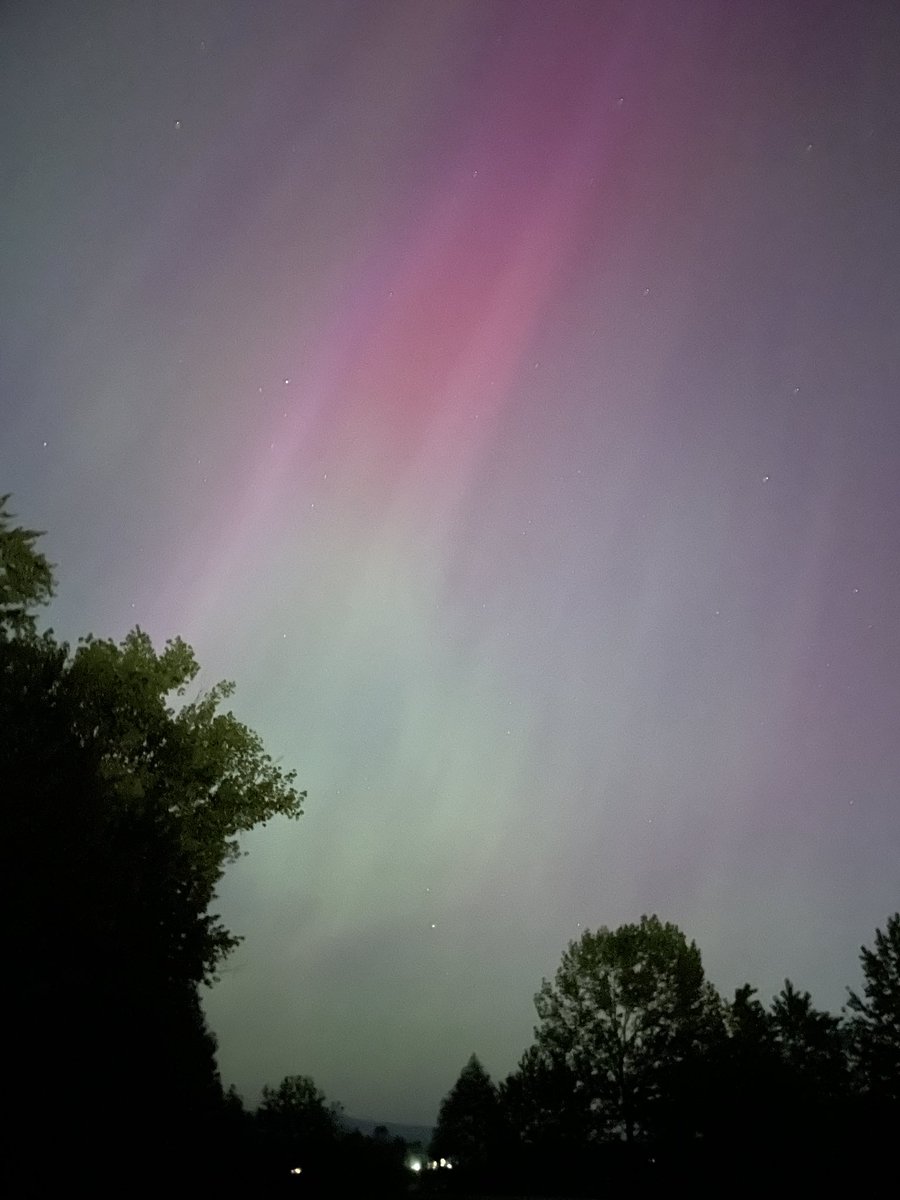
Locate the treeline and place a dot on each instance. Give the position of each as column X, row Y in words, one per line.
column 125, row 795
column 642, row 1074
column 297, row 1143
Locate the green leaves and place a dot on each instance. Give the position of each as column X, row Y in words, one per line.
column 26, row 578
column 190, row 775
column 132, row 795
column 124, row 799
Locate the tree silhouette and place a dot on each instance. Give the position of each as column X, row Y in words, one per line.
column 26, row 578
column 123, row 803
column 297, row 1111
column 467, row 1127
column 537, row 1103
column 627, row 1013
column 745, row 1077
column 875, row 1017
column 811, row 1046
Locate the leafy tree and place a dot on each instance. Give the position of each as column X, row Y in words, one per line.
column 628, row 1013
column 298, row 1111
column 299, row 1129
column 124, row 801
column 468, row 1120
column 875, row 1017
column 196, row 777
column 26, row 578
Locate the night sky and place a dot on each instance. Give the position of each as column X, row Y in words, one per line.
column 506, row 395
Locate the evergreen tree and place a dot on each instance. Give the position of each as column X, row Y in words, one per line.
column 746, row 1075
column 875, row 1018
column 540, row 1104
column 467, row 1128
column 811, row 1047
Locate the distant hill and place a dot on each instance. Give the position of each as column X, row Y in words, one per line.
column 409, row 1133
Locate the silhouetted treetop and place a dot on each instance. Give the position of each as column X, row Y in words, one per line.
column 875, row 1016
column 626, row 1007
column 26, row 578
column 467, row 1125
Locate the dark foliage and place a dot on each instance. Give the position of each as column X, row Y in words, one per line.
column 628, row 1014
column 467, row 1128
column 630, row 1032
column 874, row 1026
column 469, row 1131
column 124, row 801
column 121, row 812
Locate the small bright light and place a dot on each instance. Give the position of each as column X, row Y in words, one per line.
column 415, row 1165
column 296, row 1170
column 443, row 1162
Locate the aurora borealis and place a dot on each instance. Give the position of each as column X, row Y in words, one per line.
column 506, row 395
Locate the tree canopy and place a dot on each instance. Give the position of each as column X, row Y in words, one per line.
column 125, row 799
column 26, row 577
column 626, row 1008
column 126, row 794
column 297, row 1111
